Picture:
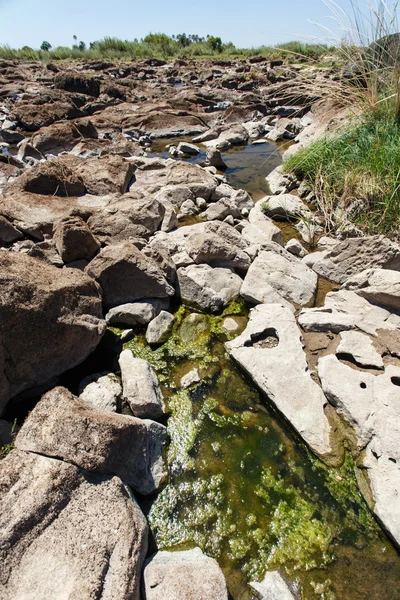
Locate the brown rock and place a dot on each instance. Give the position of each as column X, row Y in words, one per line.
column 62, row 137
column 74, row 240
column 72, row 81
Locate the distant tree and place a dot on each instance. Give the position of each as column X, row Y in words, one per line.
column 46, row 46
column 82, row 46
column 215, row 43
column 183, row 39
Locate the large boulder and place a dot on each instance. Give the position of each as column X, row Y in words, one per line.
column 206, row 288
column 74, row 240
column 379, row 286
column 103, row 175
column 201, row 183
column 63, row 426
column 220, row 245
column 270, row 350
column 62, row 137
column 125, row 274
column 50, row 321
column 357, row 254
column 67, row 533
column 183, row 575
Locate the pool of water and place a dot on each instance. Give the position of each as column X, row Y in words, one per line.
column 246, row 490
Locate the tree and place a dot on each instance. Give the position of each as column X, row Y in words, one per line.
column 183, row 39
column 82, row 46
column 215, row 43
column 46, row 46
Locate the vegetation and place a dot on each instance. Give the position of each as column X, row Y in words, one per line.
column 355, row 173
column 160, row 45
column 6, row 449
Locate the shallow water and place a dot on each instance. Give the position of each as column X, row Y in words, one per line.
column 245, row 489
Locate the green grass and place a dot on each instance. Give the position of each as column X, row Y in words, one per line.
column 358, row 168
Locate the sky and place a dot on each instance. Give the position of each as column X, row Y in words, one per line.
column 246, row 23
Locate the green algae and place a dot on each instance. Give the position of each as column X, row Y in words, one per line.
column 246, row 490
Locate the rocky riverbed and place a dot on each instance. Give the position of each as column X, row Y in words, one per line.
column 205, row 386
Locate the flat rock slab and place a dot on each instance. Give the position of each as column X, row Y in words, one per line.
column 67, row 533
column 359, row 346
column 271, row 352
column 207, row 289
column 140, row 386
column 380, row 286
column 371, row 405
column 357, row 254
column 346, row 310
column 65, row 427
column 186, row 575
column 277, row 274
column 272, row 587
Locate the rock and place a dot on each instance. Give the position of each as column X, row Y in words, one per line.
column 258, row 219
column 370, row 404
column 62, row 137
column 190, row 378
column 285, row 129
column 72, row 81
column 230, row 324
column 295, row 247
column 67, row 533
column 279, row 182
column 125, row 274
column 66, row 427
column 309, row 230
column 214, row 159
column 236, row 135
column 261, row 233
column 50, row 321
column 103, row 390
column 175, row 194
column 327, row 243
column 218, row 246
column 11, row 137
column 284, row 207
column 277, row 274
column 379, row 286
column 200, row 182
column 345, row 310
column 272, row 587
column 159, row 329
column 74, row 240
column 353, row 255
column 206, row 288
column 189, row 208
column 313, row 257
column 8, row 233
column 26, row 150
column 271, row 352
column 221, row 209
column 104, row 174
column 185, row 575
column 359, row 346
column 140, row 387
column 46, row 252
column 136, row 313
column 187, row 148
column 50, row 178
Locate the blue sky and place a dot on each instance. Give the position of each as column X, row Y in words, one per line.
column 247, row 23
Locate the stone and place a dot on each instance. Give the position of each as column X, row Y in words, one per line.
column 63, row 426
column 236, row 135
column 185, row 575
column 296, row 248
column 370, row 404
column 104, row 174
column 67, row 533
column 74, row 240
column 125, row 274
column 272, row 587
column 270, row 351
column 103, row 390
column 345, row 310
column 286, row 207
column 359, row 346
column 379, row 286
column 313, row 257
column 187, row 148
column 353, row 255
column 200, row 182
column 265, row 224
column 206, row 288
column 8, row 233
column 277, row 274
column 230, row 324
column 261, row 233
column 50, row 178
column 62, row 137
column 189, row 208
column 285, row 129
column 47, row 252
column 136, row 313
column 309, row 229
column 50, row 321
column 140, row 386
column 218, row 246
column 214, row 159
column 221, row 209
column 75, row 82
column 190, row 378
column 279, row 182
column 159, row 329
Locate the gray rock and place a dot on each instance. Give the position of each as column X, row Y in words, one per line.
column 159, row 329
column 66, row 427
column 230, row 324
column 67, row 533
column 296, row 248
column 285, row 129
column 125, row 274
column 140, row 386
column 345, row 310
column 357, row 254
column 359, row 346
column 206, row 288
column 103, row 390
column 218, row 246
column 136, row 313
column 214, row 158
column 47, row 252
column 183, row 575
column 370, row 404
column 189, row 208
column 261, row 233
column 313, row 257
column 280, row 183
column 380, row 286
column 272, row 587
column 271, row 352
column 277, row 274
column 187, row 148
column 267, row 228
column 285, row 207
column 327, row 243
column 221, row 209
column 309, row 230
column 190, row 378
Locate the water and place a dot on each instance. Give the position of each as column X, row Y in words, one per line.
column 247, row 491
